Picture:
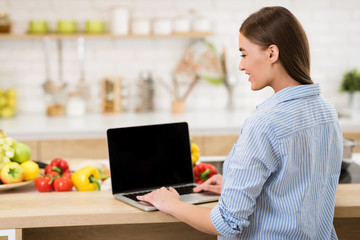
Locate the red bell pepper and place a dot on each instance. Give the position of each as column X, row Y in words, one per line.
column 204, row 171
column 57, row 165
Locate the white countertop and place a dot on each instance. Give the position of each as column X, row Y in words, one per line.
column 28, row 127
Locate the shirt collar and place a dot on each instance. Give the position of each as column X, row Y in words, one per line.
column 291, row 93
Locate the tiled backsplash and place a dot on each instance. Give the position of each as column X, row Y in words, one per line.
column 332, row 27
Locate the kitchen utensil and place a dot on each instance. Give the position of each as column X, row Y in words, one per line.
column 46, row 44
column 55, row 92
column 348, row 148
column 200, row 59
column 83, row 87
column 178, row 100
column 230, row 81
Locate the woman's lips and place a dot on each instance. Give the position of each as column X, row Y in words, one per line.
column 249, row 77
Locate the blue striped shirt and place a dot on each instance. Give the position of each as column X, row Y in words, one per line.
column 281, row 176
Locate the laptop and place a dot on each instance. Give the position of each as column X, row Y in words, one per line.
column 145, row 158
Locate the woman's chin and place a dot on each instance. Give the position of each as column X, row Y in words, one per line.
column 254, row 87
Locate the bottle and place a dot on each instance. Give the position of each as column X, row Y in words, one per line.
column 145, row 96
column 5, row 25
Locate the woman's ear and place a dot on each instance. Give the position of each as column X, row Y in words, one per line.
column 273, row 53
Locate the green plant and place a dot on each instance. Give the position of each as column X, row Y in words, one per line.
column 351, row 81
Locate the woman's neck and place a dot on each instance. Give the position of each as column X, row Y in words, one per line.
column 283, row 80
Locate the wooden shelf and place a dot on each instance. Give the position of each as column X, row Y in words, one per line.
column 105, row 35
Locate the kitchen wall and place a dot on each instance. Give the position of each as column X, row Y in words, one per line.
column 332, row 27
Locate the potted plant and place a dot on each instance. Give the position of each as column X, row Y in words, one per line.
column 351, row 85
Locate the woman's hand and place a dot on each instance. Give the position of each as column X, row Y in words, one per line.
column 163, row 199
column 213, row 184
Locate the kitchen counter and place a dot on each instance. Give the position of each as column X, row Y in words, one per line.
column 30, row 127
column 87, row 214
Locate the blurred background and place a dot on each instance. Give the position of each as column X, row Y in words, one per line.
column 139, row 44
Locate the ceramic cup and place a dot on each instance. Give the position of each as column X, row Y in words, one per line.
column 66, row 26
column 94, row 26
column 38, row 26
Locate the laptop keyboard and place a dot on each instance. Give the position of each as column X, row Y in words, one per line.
column 181, row 190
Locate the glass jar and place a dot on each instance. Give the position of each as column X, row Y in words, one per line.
column 5, row 24
column 55, row 97
column 75, row 105
column 111, row 96
column 145, row 92
column 8, row 95
column 8, row 102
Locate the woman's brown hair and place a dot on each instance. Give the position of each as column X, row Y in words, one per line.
column 278, row 26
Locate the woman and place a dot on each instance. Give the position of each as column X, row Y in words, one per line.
column 280, row 179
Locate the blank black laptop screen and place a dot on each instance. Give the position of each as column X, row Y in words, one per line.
column 149, row 156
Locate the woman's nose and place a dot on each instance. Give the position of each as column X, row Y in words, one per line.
column 241, row 66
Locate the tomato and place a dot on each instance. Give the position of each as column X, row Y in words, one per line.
column 63, row 184
column 66, row 174
column 53, row 175
column 44, row 184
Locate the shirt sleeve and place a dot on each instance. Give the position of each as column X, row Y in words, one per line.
column 250, row 163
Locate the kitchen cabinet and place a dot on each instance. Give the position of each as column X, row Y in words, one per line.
column 45, row 150
column 72, row 148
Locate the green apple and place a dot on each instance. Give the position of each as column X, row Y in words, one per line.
column 22, row 152
column 12, row 172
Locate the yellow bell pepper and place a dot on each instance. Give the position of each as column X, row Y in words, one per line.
column 86, row 179
column 195, row 153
